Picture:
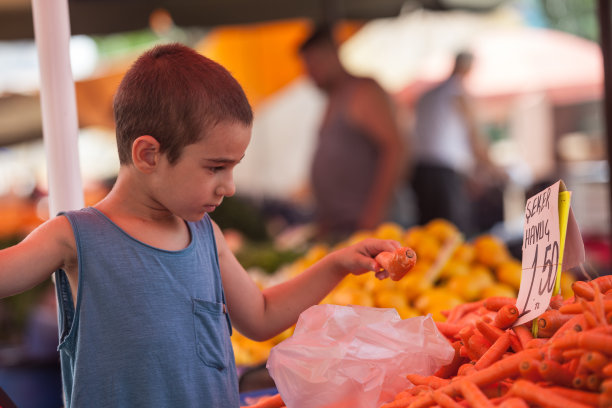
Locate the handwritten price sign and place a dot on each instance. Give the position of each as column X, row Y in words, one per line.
column 542, row 247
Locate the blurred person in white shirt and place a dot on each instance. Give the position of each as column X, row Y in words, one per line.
column 449, row 149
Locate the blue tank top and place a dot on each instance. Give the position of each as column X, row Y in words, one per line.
column 150, row 326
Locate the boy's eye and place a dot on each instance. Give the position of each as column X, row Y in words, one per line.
column 216, row 168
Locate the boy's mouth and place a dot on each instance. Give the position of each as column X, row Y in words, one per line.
column 211, row 207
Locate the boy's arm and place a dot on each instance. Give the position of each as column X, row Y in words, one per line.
column 260, row 314
column 34, row 259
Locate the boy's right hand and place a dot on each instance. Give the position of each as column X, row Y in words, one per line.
column 359, row 258
column 397, row 263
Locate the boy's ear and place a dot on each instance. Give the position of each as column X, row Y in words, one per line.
column 145, row 153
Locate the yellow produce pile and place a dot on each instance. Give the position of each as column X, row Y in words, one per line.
column 449, row 271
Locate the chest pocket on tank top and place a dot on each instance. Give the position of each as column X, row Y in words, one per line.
column 212, row 342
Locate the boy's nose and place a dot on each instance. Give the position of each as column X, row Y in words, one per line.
column 227, row 188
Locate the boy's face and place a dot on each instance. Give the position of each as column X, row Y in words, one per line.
column 197, row 182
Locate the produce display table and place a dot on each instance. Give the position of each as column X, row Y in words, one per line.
column 561, row 358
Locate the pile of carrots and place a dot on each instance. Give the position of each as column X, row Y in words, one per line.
column 273, row 401
column 567, row 364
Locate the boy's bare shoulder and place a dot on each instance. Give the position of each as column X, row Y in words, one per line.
column 47, row 248
column 58, row 225
column 56, row 232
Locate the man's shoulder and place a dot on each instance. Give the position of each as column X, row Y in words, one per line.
column 367, row 91
column 367, row 84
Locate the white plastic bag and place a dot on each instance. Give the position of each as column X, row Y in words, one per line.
column 354, row 356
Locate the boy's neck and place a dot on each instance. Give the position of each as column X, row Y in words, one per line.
column 128, row 199
column 131, row 209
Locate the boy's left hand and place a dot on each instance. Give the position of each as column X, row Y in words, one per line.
column 359, row 258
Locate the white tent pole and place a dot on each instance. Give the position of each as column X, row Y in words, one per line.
column 58, row 105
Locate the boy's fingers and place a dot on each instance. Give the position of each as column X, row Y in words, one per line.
column 364, row 263
column 375, row 246
column 382, row 274
column 367, row 250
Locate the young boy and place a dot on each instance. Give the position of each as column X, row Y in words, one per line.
column 146, row 283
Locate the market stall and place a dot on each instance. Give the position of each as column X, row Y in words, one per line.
column 468, row 287
column 502, row 357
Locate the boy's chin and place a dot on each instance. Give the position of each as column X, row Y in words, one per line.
column 193, row 218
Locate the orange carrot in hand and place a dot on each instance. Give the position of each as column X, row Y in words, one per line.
column 398, row 263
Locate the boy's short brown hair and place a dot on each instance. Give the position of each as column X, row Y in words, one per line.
column 175, row 95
